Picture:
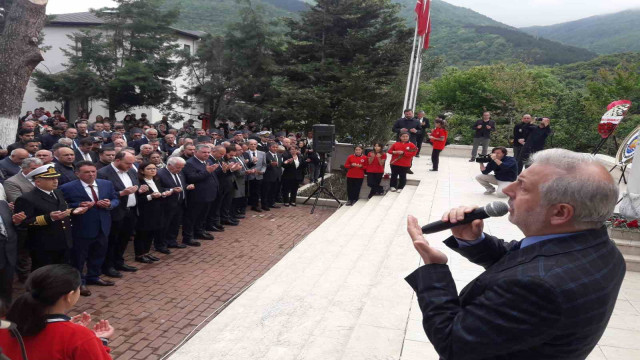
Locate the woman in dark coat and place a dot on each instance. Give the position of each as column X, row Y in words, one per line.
column 293, row 167
column 151, row 203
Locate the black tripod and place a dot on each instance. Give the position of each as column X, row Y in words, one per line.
column 321, row 189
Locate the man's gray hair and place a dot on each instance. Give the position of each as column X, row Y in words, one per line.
column 202, row 146
column 26, row 163
column 150, row 130
column 65, row 141
column 175, row 160
column 593, row 199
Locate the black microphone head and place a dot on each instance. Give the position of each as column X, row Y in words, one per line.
column 496, row 208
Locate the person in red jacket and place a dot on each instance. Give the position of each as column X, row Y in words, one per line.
column 402, row 153
column 439, row 140
column 357, row 164
column 375, row 169
column 40, row 316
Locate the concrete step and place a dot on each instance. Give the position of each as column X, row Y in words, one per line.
column 279, row 312
column 633, row 262
column 628, row 247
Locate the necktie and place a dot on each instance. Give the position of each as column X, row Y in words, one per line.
column 93, row 193
column 53, row 195
column 177, row 180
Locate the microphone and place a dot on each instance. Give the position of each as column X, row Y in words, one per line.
column 496, row 208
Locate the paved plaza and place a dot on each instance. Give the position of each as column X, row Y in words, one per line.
column 341, row 294
column 154, row 309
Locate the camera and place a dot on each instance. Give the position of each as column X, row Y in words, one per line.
column 483, row 158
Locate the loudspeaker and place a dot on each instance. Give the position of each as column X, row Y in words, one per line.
column 323, row 138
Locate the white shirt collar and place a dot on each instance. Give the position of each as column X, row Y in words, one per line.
column 84, row 184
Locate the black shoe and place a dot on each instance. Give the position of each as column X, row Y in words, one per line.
column 417, row 156
column 286, row 205
column 100, row 282
column 111, row 272
column 230, row 223
column 349, row 203
column 274, row 206
column 125, row 267
column 192, row 243
column 214, row 228
column 409, row 171
column 239, row 216
column 84, row 291
column 203, row 236
column 256, row 209
column 151, row 257
column 433, row 169
column 472, row 160
column 177, row 246
column 293, row 204
column 164, row 251
column 144, row 260
column 266, row 209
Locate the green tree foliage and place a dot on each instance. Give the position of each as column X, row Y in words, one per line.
column 127, row 63
column 342, row 65
column 234, row 72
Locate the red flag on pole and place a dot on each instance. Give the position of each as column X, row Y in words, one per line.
column 422, row 20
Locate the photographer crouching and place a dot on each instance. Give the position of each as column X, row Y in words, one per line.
column 505, row 170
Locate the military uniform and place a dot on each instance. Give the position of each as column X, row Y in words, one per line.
column 48, row 241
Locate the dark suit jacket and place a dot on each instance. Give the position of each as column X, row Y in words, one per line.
column 290, row 171
column 167, row 181
column 273, row 173
column 94, row 157
column 550, row 300
column 44, row 233
column 8, row 167
column 206, row 183
column 8, row 248
column 150, row 212
column 226, row 180
column 89, row 224
column 108, row 173
column 48, row 140
column 67, row 174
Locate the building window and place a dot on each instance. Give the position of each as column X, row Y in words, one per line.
column 187, row 48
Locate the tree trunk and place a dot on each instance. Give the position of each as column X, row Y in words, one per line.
column 19, row 55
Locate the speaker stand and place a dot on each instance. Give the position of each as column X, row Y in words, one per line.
column 321, row 189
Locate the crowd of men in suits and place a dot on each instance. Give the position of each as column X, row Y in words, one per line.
column 80, row 193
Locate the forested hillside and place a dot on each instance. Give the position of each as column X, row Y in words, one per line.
column 464, row 37
column 604, row 34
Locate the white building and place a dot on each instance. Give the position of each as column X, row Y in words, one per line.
column 56, row 37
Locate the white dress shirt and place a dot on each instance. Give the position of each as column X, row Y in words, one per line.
column 126, row 180
column 152, row 186
column 88, row 189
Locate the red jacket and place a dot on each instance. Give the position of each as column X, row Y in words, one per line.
column 374, row 167
column 438, row 133
column 58, row 341
column 356, row 172
column 408, row 151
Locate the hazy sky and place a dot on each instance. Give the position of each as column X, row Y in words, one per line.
column 512, row 12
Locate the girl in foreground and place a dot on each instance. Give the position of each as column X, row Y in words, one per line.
column 40, row 316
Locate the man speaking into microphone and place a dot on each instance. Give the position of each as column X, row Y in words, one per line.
column 548, row 296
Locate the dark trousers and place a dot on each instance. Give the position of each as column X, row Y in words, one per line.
column 220, row 208
column 40, row 258
column 143, row 240
column 290, row 190
column 373, row 181
column 89, row 251
column 238, row 205
column 419, row 140
column 24, row 259
column 173, row 221
column 255, row 188
column 398, row 171
column 279, row 192
column 121, row 232
column 194, row 219
column 353, row 188
column 435, row 158
column 517, row 154
column 269, row 193
column 6, row 283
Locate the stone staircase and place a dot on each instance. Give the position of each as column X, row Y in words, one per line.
column 628, row 242
column 339, row 294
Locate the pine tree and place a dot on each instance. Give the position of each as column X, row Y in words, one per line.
column 342, row 65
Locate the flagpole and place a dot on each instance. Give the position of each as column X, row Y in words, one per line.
column 416, row 79
column 409, row 82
